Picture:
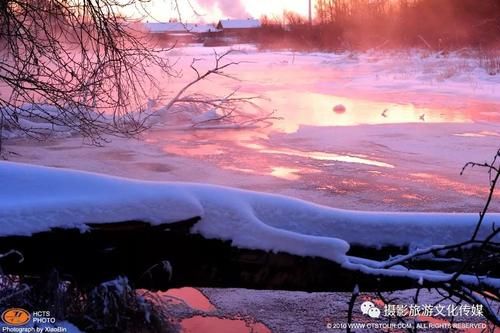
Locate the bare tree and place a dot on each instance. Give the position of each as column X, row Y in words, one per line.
column 293, row 19
column 230, row 110
column 74, row 65
column 80, row 67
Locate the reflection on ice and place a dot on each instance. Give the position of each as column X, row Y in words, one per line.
column 322, row 156
column 470, row 190
column 190, row 296
column 404, row 140
column 315, row 109
column 285, row 173
column 280, row 172
column 207, row 322
column 195, row 149
column 480, row 134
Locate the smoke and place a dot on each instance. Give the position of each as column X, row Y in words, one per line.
column 229, row 8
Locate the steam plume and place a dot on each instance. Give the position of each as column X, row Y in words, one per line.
column 229, row 8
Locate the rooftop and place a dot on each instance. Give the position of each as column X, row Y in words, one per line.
column 239, row 24
column 160, row 27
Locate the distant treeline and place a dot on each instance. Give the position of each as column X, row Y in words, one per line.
column 343, row 24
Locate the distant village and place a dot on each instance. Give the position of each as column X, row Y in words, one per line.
column 224, row 32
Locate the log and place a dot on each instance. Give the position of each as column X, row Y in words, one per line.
column 168, row 255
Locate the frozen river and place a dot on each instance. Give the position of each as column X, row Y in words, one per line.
column 410, row 122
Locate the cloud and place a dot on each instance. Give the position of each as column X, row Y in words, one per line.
column 229, row 8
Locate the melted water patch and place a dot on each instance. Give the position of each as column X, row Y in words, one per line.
column 210, row 324
column 316, row 155
column 189, row 296
column 314, row 109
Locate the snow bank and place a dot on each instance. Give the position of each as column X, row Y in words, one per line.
column 41, row 119
column 35, row 199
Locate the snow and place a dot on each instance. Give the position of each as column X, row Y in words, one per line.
column 42, row 198
column 35, row 199
column 45, row 120
column 209, row 115
column 414, row 75
column 38, row 199
column 297, row 310
column 35, row 118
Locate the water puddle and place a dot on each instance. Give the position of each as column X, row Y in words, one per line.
column 189, row 296
column 208, row 324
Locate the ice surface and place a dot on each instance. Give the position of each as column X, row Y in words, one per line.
column 377, row 155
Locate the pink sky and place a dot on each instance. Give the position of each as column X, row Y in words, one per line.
column 212, row 10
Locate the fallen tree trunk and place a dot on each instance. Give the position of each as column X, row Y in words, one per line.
column 168, row 255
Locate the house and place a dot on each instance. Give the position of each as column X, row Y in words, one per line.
column 202, row 28
column 179, row 28
column 179, row 32
column 230, row 25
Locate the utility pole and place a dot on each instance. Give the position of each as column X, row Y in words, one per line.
column 310, row 12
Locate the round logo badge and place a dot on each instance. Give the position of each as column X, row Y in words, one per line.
column 16, row 316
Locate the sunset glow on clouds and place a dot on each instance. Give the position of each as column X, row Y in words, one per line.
column 213, row 10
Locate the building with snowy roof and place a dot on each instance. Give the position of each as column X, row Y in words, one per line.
column 179, row 28
column 179, row 32
column 238, row 25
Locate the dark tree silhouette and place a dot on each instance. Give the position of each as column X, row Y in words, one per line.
column 74, row 65
column 78, row 66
